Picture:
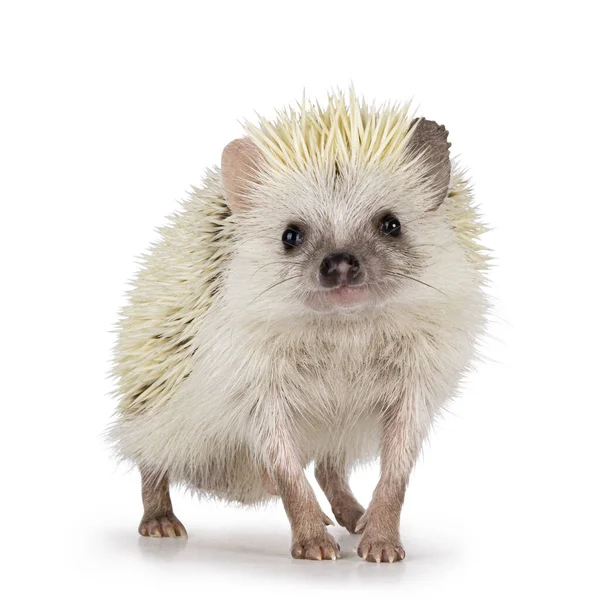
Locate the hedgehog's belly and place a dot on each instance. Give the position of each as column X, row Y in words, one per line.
column 234, row 478
column 204, row 439
column 356, row 439
column 209, row 463
column 219, row 465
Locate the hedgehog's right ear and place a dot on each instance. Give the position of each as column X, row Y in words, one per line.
column 240, row 166
column 429, row 141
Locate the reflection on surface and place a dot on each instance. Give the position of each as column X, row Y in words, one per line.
column 264, row 554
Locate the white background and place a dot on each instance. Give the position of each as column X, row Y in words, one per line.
column 111, row 110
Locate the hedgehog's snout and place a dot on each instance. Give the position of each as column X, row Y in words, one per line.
column 340, row 268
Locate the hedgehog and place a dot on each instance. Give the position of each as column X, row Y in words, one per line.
column 318, row 300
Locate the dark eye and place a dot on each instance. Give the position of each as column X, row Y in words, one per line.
column 390, row 225
column 292, row 237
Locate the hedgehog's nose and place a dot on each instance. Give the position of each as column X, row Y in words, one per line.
column 340, row 268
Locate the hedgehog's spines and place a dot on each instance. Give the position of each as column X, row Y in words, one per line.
column 167, row 305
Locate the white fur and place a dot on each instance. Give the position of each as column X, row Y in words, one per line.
column 251, row 374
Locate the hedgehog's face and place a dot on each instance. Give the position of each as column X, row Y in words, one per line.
column 347, row 241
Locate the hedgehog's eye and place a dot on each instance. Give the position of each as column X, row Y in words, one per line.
column 390, row 225
column 292, row 237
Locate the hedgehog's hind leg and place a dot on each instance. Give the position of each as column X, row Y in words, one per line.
column 333, row 479
column 159, row 519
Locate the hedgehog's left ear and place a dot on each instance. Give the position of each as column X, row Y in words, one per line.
column 430, row 141
column 240, row 166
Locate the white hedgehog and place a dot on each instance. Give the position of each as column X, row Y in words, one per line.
column 319, row 299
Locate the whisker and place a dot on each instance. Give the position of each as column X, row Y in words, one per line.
column 429, row 246
column 399, row 274
column 276, row 262
column 275, row 285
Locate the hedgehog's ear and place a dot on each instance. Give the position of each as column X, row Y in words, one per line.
column 430, row 141
column 240, row 165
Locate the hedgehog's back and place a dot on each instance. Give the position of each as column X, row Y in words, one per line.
column 179, row 280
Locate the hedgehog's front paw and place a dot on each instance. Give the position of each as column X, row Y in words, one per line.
column 321, row 546
column 167, row 525
column 348, row 514
column 375, row 549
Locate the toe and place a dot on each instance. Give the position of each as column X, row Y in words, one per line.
column 374, row 554
column 331, row 552
column 348, row 516
column 361, row 523
column 327, row 520
column 388, row 555
column 363, row 550
column 154, row 528
column 314, row 553
column 168, row 530
column 180, row 530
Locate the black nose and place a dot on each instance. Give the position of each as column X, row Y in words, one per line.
column 340, row 268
